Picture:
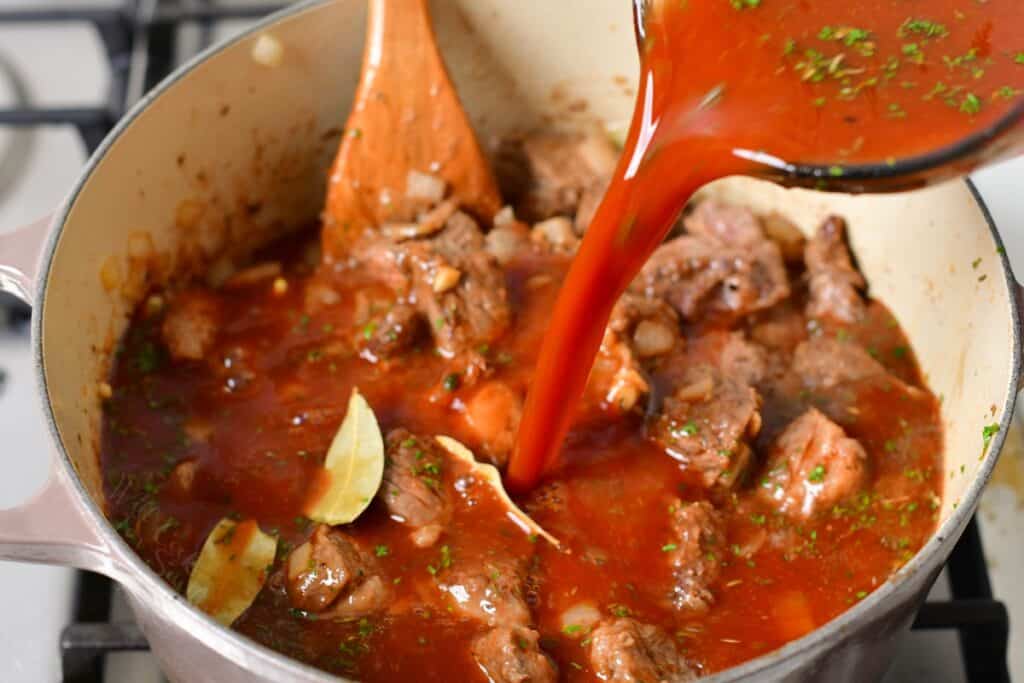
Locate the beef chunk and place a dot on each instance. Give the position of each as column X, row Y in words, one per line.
column 493, row 413
column 836, row 286
column 743, row 360
column 639, row 328
column 489, row 591
column 813, row 466
column 824, row 362
column 649, row 326
column 627, row 651
column 699, row 540
column 393, row 333
column 329, row 574
column 472, row 310
column 190, row 327
column 736, row 226
column 561, row 170
column 700, row 275
column 513, row 655
column 412, row 490
column 706, row 424
column 451, row 280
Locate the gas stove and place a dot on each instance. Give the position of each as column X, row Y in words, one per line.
column 67, row 73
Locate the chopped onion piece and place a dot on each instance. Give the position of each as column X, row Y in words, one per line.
column 424, row 187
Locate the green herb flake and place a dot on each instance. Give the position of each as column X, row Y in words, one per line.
column 923, row 27
column 745, row 4
column 669, row 547
column 986, row 436
column 451, row 382
column 971, row 104
column 381, row 551
column 619, row 610
column 816, row 475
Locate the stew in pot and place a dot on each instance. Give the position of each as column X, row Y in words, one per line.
column 756, row 450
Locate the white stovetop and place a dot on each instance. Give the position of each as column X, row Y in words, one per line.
column 64, row 66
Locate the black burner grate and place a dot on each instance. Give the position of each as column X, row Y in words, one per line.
column 141, row 40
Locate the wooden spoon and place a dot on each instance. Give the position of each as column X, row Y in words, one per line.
column 406, row 117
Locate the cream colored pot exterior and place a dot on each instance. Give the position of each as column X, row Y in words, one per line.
column 233, row 150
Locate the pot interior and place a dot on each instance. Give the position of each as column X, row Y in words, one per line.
column 234, row 152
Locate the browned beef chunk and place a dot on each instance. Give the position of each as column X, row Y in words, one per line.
column 649, row 326
column 707, row 423
column 836, row 286
column 329, row 575
column 461, row 289
column 489, row 589
column 824, row 362
column 627, row 651
column 559, row 171
column 784, row 233
column 812, row 467
column 393, row 333
column 698, row 275
column 736, row 226
column 639, row 328
column 451, row 280
column 696, row 559
column 743, row 360
column 190, row 327
column 412, row 489
column 512, row 655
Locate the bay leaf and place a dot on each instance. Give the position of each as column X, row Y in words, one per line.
column 231, row 569
column 353, row 469
column 490, row 474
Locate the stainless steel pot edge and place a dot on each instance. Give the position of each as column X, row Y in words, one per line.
column 138, row 576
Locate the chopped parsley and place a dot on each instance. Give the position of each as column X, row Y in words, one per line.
column 689, row 429
column 619, row 610
column 971, row 104
column 745, row 4
column 816, row 475
column 923, row 27
column 669, row 547
column 451, row 382
column 986, row 436
column 381, row 551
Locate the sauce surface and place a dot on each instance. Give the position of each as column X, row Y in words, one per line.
column 725, row 84
column 257, row 415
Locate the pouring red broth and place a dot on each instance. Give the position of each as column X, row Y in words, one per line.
column 752, row 453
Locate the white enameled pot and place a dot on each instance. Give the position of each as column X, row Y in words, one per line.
column 233, row 150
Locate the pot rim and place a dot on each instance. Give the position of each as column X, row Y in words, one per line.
column 132, row 571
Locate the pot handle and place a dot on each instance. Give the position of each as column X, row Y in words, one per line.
column 20, row 251
column 53, row 527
